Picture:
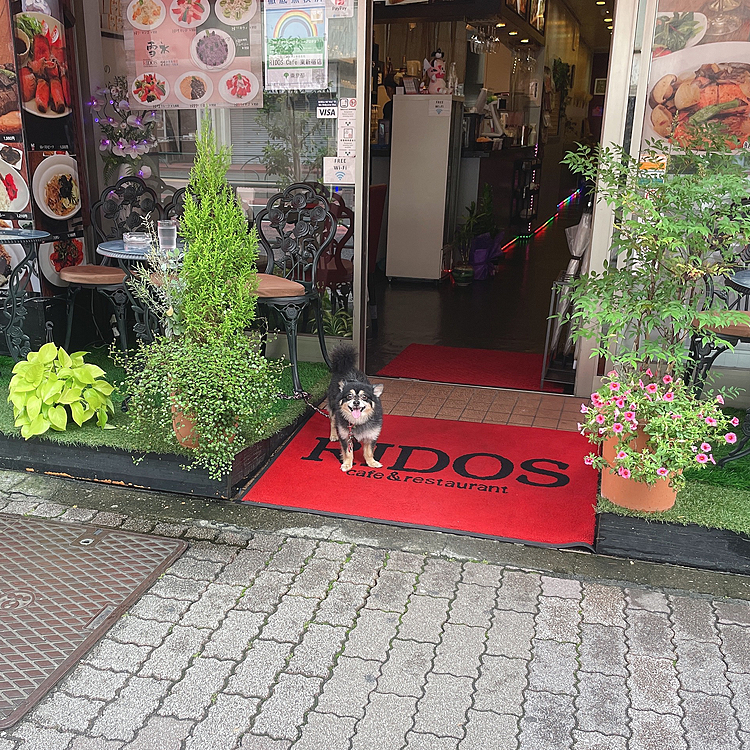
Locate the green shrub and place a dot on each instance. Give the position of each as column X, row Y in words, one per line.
column 49, row 380
column 219, row 269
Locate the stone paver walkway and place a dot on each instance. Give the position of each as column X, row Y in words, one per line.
column 304, row 639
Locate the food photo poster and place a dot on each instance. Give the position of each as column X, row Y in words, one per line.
column 700, row 73
column 194, row 53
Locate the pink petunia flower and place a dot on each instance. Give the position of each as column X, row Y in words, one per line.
column 621, row 455
column 620, row 402
column 584, row 409
column 623, row 472
column 617, row 427
column 601, row 430
column 614, row 386
column 651, row 388
column 712, row 460
column 720, row 399
column 640, row 383
column 667, row 379
column 701, row 458
column 599, row 419
column 588, row 460
column 730, row 437
column 710, row 421
column 629, row 415
column 669, row 396
column 649, row 373
column 705, row 447
column 662, row 472
column 734, row 421
column 596, row 399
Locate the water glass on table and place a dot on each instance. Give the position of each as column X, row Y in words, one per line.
column 167, row 231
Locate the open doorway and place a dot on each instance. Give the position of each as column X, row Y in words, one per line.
column 472, row 252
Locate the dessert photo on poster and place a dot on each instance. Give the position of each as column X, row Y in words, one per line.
column 193, row 53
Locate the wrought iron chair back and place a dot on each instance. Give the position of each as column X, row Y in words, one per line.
column 176, row 207
column 295, row 228
column 127, row 206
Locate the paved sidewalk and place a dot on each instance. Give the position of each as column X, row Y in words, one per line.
column 318, row 637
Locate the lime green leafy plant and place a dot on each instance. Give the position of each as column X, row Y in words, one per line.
column 49, row 380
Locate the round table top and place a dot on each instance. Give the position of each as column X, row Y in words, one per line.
column 116, row 249
column 740, row 281
column 23, row 235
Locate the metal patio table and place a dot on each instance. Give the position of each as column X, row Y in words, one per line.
column 115, row 250
column 14, row 310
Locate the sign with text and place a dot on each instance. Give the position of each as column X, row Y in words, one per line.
column 186, row 54
column 440, row 107
column 338, row 170
column 328, row 109
column 296, row 45
column 346, row 143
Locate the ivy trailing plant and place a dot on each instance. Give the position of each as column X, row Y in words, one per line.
column 48, row 381
column 222, row 389
column 204, row 370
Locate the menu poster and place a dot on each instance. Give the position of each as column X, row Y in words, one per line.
column 700, row 73
column 14, row 183
column 296, row 45
column 194, row 53
column 44, row 79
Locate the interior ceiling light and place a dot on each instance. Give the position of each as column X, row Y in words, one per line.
column 512, row 33
column 524, row 41
column 499, row 25
column 607, row 20
column 610, row 27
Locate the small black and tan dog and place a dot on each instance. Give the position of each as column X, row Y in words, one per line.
column 354, row 405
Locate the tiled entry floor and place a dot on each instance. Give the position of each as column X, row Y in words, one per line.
column 415, row 398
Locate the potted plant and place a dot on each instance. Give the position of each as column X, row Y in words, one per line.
column 203, row 384
column 651, row 428
column 478, row 222
column 676, row 225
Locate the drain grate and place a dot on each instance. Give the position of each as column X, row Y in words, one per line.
column 62, row 586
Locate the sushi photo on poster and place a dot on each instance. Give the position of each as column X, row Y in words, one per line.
column 44, row 75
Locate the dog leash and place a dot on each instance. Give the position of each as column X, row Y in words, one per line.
column 304, row 396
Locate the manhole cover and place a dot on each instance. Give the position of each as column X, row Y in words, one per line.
column 62, row 586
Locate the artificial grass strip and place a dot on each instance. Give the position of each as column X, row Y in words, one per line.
column 281, row 413
column 698, row 503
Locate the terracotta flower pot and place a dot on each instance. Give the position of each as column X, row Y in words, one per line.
column 184, row 428
column 628, row 493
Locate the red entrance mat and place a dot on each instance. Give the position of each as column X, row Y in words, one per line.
column 516, row 483
column 487, row 367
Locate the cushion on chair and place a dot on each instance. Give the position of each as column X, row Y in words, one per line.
column 92, row 275
column 276, row 286
column 740, row 330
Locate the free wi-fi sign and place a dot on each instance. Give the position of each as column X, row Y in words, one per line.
column 338, row 170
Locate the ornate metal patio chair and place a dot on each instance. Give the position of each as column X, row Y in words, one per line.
column 127, row 206
column 176, row 207
column 294, row 228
